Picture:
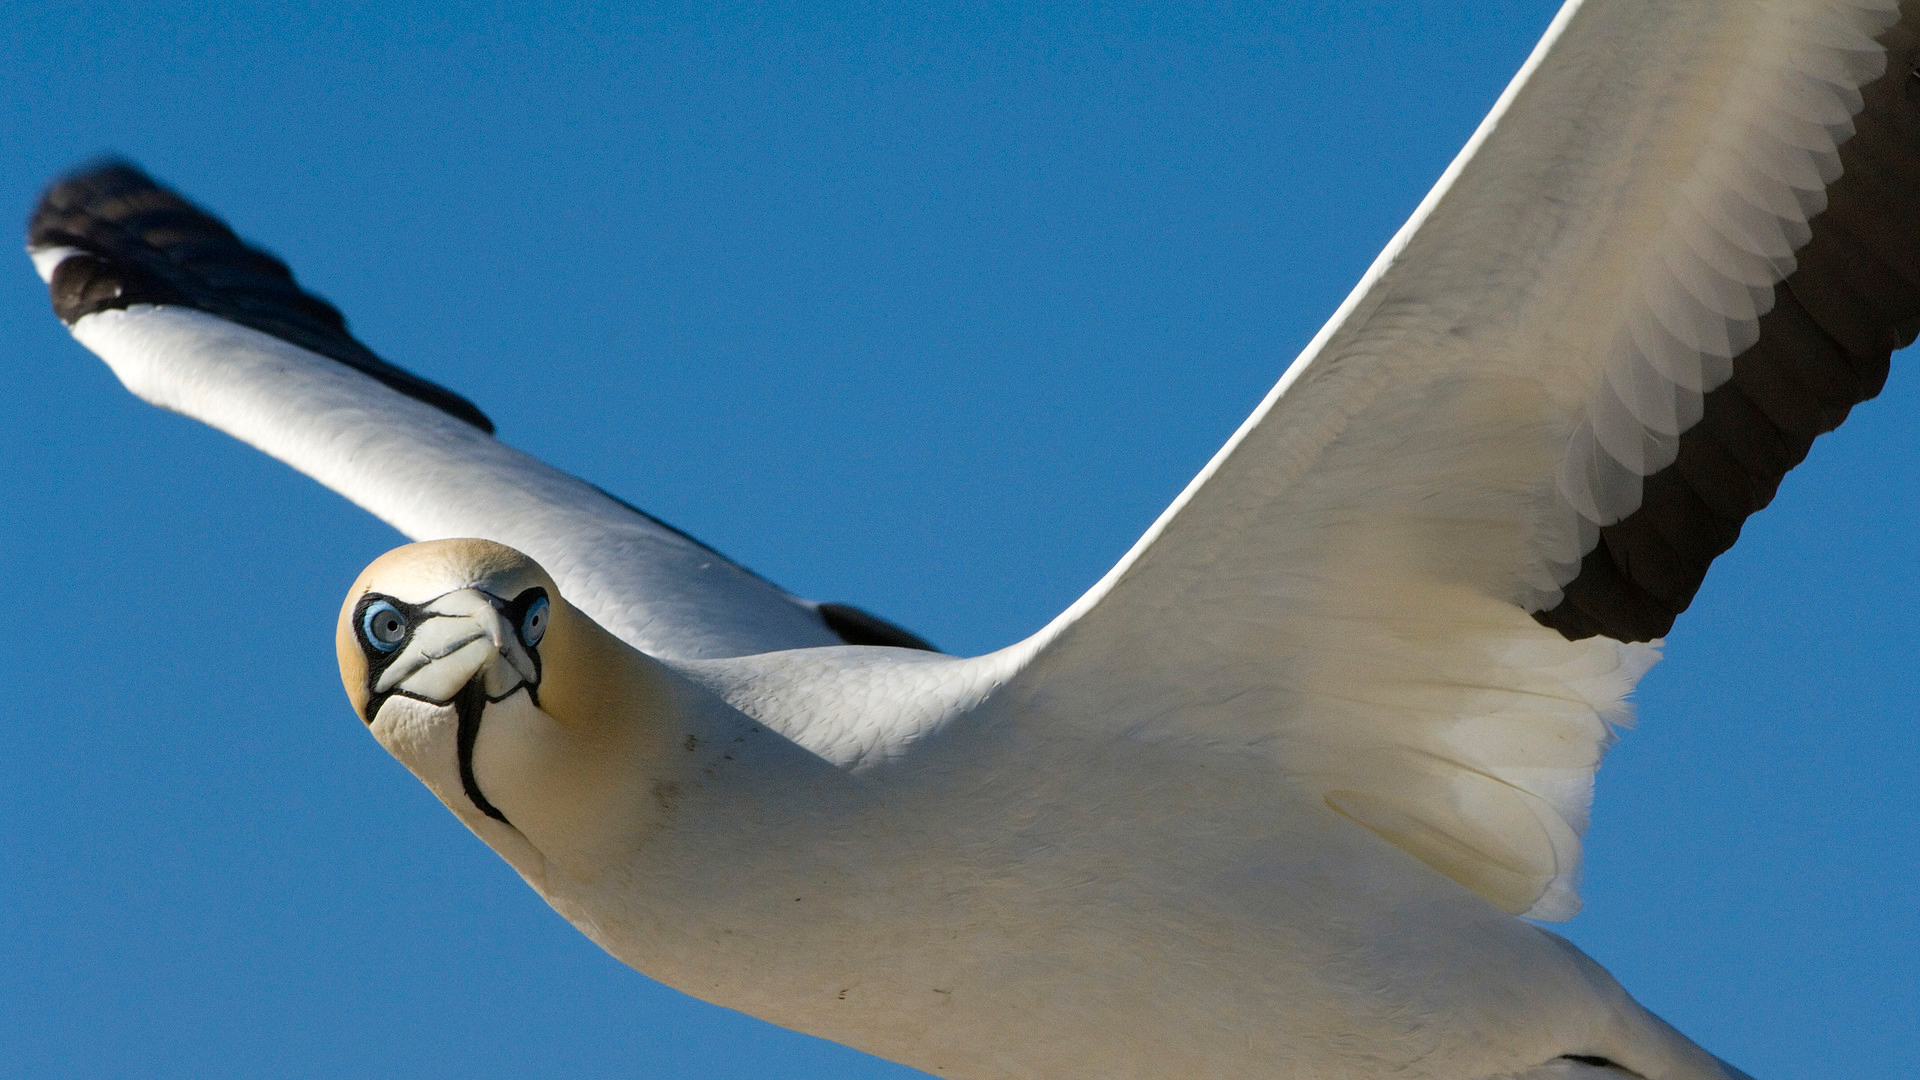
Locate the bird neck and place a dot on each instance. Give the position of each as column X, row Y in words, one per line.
column 575, row 767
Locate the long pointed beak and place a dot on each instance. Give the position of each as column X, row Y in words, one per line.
column 466, row 635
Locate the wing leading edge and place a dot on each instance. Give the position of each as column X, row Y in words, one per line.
column 1682, row 245
column 194, row 320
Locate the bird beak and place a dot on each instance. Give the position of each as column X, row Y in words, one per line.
column 465, row 636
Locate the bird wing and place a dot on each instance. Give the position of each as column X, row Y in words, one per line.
column 193, row 320
column 1683, row 244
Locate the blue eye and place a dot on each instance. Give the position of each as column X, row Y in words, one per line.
column 533, row 625
column 383, row 626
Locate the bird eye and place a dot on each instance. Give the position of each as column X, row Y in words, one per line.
column 533, row 625
column 383, row 626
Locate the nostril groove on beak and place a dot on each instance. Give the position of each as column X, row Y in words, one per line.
column 452, row 647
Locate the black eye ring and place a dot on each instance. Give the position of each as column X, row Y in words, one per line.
column 383, row 626
column 534, row 613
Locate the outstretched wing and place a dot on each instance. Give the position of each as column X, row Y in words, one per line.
column 193, row 320
column 1682, row 246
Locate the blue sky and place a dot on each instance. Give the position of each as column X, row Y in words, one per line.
column 928, row 312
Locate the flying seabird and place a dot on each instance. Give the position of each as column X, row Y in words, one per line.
column 1267, row 798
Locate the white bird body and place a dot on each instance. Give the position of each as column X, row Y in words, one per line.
column 1268, row 798
column 1012, row 918
column 1002, row 889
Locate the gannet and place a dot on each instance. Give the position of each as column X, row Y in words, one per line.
column 1267, row 799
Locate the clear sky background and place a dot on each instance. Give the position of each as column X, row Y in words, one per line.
column 933, row 313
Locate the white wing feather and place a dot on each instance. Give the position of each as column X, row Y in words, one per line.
column 432, row 476
column 1345, row 588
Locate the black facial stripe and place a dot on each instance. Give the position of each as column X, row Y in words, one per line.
column 516, row 613
column 468, row 704
column 377, row 659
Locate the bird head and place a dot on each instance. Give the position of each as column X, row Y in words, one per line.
column 531, row 722
column 437, row 620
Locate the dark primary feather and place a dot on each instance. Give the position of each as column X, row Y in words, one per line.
column 1853, row 298
column 144, row 244
column 857, row 627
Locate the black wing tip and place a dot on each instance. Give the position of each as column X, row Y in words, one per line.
column 1824, row 346
column 1575, row 623
column 857, row 627
column 139, row 242
column 104, row 177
